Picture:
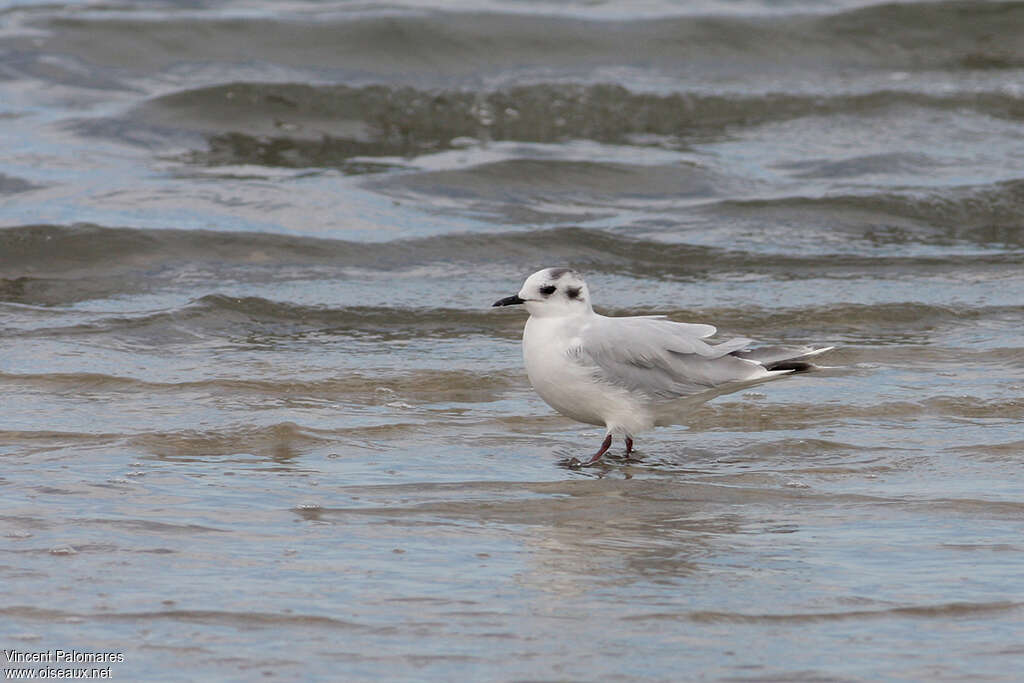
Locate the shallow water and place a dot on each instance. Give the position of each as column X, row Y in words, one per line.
column 258, row 420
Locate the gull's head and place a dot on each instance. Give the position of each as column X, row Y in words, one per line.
column 552, row 292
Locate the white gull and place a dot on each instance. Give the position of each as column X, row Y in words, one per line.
column 630, row 374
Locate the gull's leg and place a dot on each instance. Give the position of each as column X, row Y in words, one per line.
column 605, row 445
column 574, row 463
column 629, row 446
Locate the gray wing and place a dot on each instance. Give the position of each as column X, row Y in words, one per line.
column 662, row 358
column 699, row 330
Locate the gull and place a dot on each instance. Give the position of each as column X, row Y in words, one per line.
column 630, row 374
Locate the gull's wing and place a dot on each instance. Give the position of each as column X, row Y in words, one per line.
column 773, row 357
column 699, row 330
column 662, row 358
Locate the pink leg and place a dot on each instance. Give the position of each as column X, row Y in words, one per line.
column 597, row 456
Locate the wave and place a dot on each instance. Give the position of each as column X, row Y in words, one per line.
column 51, row 265
column 61, row 249
column 564, row 182
column 298, row 125
column 14, row 185
column 213, row 617
column 257, row 322
column 30, row 255
column 255, row 319
column 414, row 45
column 950, row 610
column 433, row 385
column 904, row 322
column 990, row 214
column 541, row 503
column 739, row 415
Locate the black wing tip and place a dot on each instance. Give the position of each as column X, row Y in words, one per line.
column 796, row 362
column 792, row 366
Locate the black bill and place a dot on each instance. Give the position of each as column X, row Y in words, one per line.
column 507, row 301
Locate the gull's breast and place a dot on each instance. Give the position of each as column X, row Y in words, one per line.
column 559, row 375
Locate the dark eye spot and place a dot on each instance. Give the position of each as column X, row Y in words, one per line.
column 573, row 292
column 548, row 290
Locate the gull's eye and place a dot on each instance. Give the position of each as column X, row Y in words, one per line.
column 573, row 292
column 548, row 290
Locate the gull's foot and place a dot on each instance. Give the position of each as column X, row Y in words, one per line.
column 575, row 463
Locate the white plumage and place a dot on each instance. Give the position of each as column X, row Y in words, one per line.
column 629, row 374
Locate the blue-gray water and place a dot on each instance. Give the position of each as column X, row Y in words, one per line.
column 259, row 422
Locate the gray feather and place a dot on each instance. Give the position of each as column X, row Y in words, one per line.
column 662, row 358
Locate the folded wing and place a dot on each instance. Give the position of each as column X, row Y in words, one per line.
column 661, row 358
